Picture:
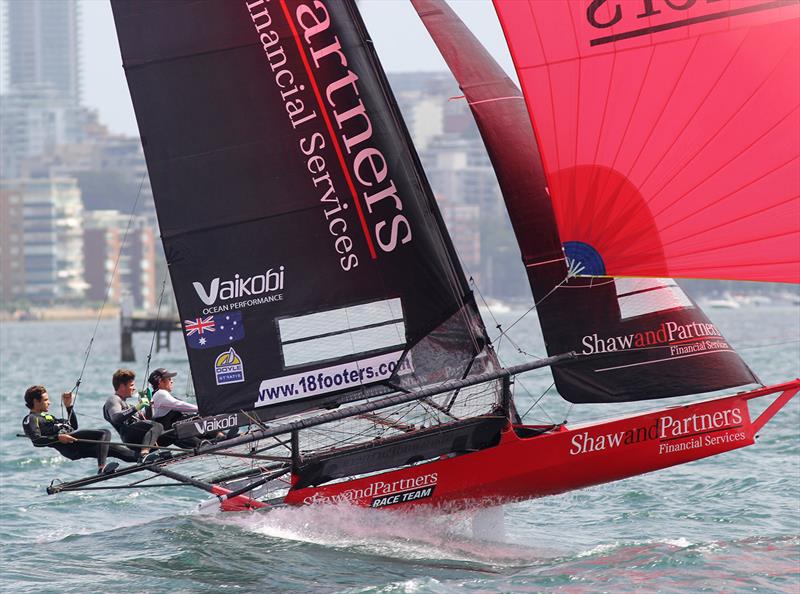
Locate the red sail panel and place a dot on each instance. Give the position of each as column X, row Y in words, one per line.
column 669, row 131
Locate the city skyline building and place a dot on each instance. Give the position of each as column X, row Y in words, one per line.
column 35, row 124
column 119, row 264
column 12, row 269
column 117, row 158
column 40, row 109
column 50, row 244
column 463, row 223
column 458, row 169
column 43, row 39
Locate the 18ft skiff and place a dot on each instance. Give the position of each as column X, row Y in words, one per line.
column 325, row 308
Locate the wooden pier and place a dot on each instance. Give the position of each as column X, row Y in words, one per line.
column 163, row 328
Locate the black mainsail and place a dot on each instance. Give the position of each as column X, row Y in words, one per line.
column 307, row 255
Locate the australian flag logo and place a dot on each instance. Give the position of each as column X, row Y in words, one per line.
column 214, row 331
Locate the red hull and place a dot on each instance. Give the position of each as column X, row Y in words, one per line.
column 521, row 468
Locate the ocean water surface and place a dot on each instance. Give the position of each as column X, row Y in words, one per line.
column 725, row 524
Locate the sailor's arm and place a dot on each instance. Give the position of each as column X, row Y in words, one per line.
column 68, row 398
column 165, row 400
column 118, row 415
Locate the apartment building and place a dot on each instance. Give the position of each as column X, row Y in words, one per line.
column 120, row 258
column 47, row 238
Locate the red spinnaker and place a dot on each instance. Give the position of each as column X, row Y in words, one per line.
column 669, row 131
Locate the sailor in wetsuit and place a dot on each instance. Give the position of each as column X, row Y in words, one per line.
column 45, row 430
column 131, row 421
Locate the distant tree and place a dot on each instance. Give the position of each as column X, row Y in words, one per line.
column 106, row 190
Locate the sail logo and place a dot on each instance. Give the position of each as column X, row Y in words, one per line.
column 636, row 18
column 357, row 148
column 383, row 216
column 240, row 287
column 666, row 333
column 216, row 424
column 229, row 368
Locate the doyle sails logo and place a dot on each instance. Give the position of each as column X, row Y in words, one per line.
column 681, row 338
column 229, row 368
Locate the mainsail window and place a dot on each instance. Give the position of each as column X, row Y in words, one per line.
column 640, row 296
column 342, row 332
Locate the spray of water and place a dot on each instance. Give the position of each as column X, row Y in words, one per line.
column 415, row 534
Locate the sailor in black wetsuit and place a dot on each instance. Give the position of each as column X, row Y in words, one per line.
column 45, row 430
column 131, row 421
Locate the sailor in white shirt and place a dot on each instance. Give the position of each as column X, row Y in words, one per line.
column 166, row 408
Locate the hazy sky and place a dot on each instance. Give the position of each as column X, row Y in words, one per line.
column 399, row 36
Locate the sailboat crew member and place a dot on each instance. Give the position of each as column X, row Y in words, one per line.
column 130, row 420
column 45, row 430
column 166, row 408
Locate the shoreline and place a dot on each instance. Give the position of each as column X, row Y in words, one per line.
column 50, row 314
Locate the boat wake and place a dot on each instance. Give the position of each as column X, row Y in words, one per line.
column 417, row 535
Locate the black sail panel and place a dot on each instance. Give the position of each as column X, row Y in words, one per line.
column 636, row 339
column 304, row 246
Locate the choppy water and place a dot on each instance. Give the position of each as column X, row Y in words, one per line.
column 726, row 524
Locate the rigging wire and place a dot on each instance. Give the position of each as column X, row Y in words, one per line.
column 536, row 304
column 108, row 291
column 486, row 305
column 571, row 272
column 542, row 395
column 155, row 332
column 763, row 346
column 569, row 410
